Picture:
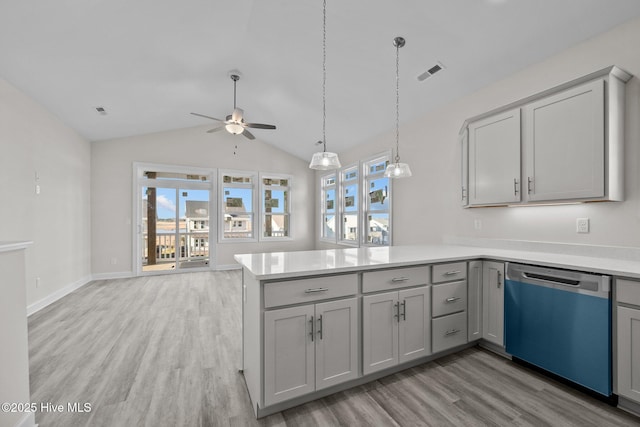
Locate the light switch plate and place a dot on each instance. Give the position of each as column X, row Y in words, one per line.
column 582, row 225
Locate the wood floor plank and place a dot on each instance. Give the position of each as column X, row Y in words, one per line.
column 165, row 351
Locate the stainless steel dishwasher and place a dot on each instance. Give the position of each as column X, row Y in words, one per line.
column 560, row 321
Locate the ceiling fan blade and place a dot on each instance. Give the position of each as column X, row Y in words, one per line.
column 259, row 126
column 248, row 134
column 237, row 114
column 215, row 129
column 207, row 117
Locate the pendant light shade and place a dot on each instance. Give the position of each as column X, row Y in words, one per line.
column 397, row 169
column 324, row 160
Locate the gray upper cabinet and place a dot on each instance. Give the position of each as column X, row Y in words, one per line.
column 569, row 142
column 565, row 144
column 494, row 159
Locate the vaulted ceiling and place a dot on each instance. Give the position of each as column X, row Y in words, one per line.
column 150, row 63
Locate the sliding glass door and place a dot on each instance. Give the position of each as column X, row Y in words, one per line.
column 174, row 214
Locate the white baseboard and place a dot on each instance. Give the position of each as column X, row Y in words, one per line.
column 55, row 296
column 29, row 420
column 114, row 275
column 228, row 267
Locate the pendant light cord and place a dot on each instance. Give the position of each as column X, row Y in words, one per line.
column 324, row 75
column 397, row 101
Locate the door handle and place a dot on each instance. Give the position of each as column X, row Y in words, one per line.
column 404, row 310
column 515, row 186
column 312, row 324
column 499, row 279
column 320, row 326
column 396, row 306
column 529, row 181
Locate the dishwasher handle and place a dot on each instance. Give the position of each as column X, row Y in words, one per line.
column 551, row 279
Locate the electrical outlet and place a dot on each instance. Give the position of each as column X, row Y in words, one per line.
column 477, row 224
column 37, row 282
column 582, row 225
column 114, row 261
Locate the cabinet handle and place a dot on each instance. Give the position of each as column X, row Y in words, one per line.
column 404, row 310
column 314, row 290
column 452, row 332
column 529, row 181
column 396, row 307
column 515, row 186
column 399, row 279
column 499, row 279
column 311, row 321
column 463, row 193
column 451, row 273
column 452, row 299
column 320, row 326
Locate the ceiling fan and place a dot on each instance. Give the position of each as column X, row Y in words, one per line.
column 234, row 122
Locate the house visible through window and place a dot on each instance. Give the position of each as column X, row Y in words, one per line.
column 328, row 207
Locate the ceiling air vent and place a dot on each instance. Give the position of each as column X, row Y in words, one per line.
column 101, row 111
column 431, row 71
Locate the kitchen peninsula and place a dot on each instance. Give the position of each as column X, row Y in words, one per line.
column 317, row 322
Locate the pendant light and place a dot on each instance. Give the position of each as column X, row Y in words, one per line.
column 324, row 160
column 397, row 169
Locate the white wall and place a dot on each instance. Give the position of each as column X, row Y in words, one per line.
column 426, row 206
column 32, row 141
column 111, row 185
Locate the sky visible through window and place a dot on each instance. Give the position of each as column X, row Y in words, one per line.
column 166, row 201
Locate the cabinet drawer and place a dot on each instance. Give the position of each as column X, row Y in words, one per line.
column 449, row 298
column 395, row 278
column 628, row 291
column 308, row 290
column 449, row 331
column 449, row 272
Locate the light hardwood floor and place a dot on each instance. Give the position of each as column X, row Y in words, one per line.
column 165, row 351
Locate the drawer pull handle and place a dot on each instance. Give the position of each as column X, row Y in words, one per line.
column 452, row 332
column 451, row 273
column 314, row 290
column 452, row 299
column 399, row 279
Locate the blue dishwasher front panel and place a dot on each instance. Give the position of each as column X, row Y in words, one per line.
column 566, row 333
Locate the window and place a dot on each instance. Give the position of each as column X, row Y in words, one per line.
column 377, row 205
column 355, row 204
column 237, row 213
column 276, row 206
column 328, row 207
column 349, row 205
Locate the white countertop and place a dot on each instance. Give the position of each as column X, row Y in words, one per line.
column 278, row 265
column 6, row 246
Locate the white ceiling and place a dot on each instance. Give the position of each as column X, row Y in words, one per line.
column 151, row 62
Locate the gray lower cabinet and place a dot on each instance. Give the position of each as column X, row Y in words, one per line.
column 628, row 338
column 309, row 347
column 493, row 302
column 474, row 301
column 396, row 328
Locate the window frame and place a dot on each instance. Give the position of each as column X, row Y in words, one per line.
column 323, row 205
column 367, row 178
column 364, row 183
column 262, row 211
column 254, row 203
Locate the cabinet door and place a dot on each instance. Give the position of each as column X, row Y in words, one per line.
column 474, row 300
column 380, row 331
column 494, row 159
column 493, row 302
column 565, row 144
column 336, row 342
column 628, row 335
column 414, row 334
column 288, row 353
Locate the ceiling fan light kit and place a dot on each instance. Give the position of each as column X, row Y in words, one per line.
column 397, row 169
column 324, row 160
